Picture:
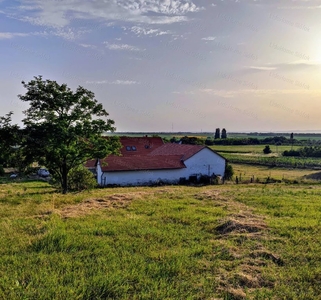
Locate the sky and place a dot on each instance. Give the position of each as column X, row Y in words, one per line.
column 171, row 65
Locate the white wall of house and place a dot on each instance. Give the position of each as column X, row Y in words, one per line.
column 205, row 162
column 141, row 177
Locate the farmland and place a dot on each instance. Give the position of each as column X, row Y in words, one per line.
column 253, row 149
column 255, row 241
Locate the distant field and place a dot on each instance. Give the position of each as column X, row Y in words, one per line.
column 274, row 161
column 251, row 148
column 262, row 173
column 230, row 241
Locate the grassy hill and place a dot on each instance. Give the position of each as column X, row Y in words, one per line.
column 229, row 241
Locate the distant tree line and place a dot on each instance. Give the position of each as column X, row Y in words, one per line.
column 210, row 141
column 308, row 151
column 276, row 140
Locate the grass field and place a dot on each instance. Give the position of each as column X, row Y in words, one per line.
column 255, row 149
column 261, row 173
column 216, row 242
column 274, row 161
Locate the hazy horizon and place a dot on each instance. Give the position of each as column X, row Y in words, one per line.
column 161, row 65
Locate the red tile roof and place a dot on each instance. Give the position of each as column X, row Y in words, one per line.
column 91, row 164
column 143, row 145
column 140, row 162
column 185, row 151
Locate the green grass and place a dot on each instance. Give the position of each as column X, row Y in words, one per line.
column 261, row 173
column 275, row 161
column 294, row 216
column 167, row 242
column 255, row 149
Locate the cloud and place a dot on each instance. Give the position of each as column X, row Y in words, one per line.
column 10, row 35
column 88, row 46
column 219, row 93
column 68, row 33
column 288, row 66
column 209, row 38
column 300, row 7
column 55, row 14
column 141, row 31
column 259, row 92
column 261, row 68
column 116, row 82
column 122, row 47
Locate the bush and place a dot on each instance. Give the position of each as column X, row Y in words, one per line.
column 80, row 178
column 2, row 172
column 229, row 172
column 291, row 153
column 267, row 150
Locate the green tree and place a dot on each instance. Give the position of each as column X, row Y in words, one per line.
column 223, row 134
column 64, row 128
column 9, row 139
column 217, row 133
column 267, row 150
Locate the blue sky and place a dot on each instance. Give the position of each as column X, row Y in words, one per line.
column 163, row 65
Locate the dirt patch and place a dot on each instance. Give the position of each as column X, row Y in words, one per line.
column 236, row 294
column 208, row 195
column 267, row 255
column 240, row 227
column 114, row 201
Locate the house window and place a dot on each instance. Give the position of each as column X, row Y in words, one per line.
column 131, row 148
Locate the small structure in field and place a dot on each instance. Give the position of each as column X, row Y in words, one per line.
column 147, row 161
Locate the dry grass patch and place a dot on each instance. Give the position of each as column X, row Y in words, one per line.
column 114, row 201
column 246, row 258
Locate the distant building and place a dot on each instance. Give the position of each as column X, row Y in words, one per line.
column 147, row 160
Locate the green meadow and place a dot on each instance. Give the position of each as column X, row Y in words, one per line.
column 232, row 241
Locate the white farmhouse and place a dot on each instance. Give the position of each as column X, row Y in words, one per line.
column 147, row 160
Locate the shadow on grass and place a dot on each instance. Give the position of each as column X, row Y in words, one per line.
column 314, row 176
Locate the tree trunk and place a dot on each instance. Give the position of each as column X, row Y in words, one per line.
column 64, row 179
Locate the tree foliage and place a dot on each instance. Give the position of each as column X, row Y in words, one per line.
column 267, row 150
column 308, row 151
column 229, row 172
column 64, row 128
column 80, row 178
column 192, row 140
column 223, row 134
column 217, row 133
column 10, row 138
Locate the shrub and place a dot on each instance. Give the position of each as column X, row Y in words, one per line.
column 1, row 170
column 291, row 153
column 267, row 150
column 80, row 178
column 229, row 172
